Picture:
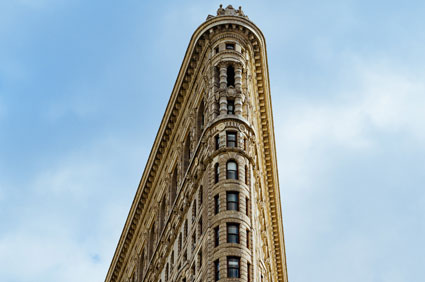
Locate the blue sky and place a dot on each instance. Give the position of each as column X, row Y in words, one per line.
column 84, row 85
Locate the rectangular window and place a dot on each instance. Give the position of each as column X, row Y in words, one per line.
column 232, row 198
column 247, row 206
column 248, row 234
column 249, row 272
column 216, row 204
column 216, row 236
column 194, row 211
column 230, row 107
column 216, row 270
column 217, row 142
column 200, row 227
column 233, row 233
column 230, row 46
column 233, row 267
column 200, row 259
column 231, row 139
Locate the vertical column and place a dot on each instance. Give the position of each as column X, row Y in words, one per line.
column 223, row 105
column 238, row 86
column 238, row 78
column 223, row 77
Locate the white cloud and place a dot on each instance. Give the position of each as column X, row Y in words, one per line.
column 384, row 102
column 323, row 146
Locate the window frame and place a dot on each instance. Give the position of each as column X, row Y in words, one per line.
column 232, row 174
column 231, row 203
column 233, row 238
column 236, row 273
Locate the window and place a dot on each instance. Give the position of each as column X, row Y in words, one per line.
column 200, row 119
column 201, row 196
column 216, row 173
column 216, row 236
column 233, row 267
column 230, row 46
column 172, row 260
column 247, row 238
column 249, row 272
column 166, row 272
column 216, row 270
column 247, row 206
column 230, row 76
column 216, row 204
column 193, row 210
column 231, row 170
column 232, row 201
column 231, row 139
column 230, row 107
column 200, row 227
column 200, row 259
column 217, row 142
column 216, row 50
column 244, row 144
column 233, row 233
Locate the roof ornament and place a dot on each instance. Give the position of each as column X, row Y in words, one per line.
column 220, row 11
column 228, row 11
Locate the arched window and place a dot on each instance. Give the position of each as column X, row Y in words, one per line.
column 230, row 76
column 216, row 173
column 232, row 170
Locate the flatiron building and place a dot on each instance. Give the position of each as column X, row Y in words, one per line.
column 208, row 205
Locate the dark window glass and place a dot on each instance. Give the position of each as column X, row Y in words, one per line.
column 230, row 76
column 216, row 204
column 216, row 50
column 230, row 46
column 216, row 173
column 216, row 270
column 232, row 233
column 232, row 201
column 230, row 107
column 216, row 236
column 231, row 139
column 247, row 238
column 232, row 170
column 233, row 267
column 217, row 142
column 249, row 272
column 247, row 206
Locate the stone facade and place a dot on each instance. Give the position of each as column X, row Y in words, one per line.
column 208, row 204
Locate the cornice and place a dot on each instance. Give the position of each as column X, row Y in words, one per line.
column 167, row 128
